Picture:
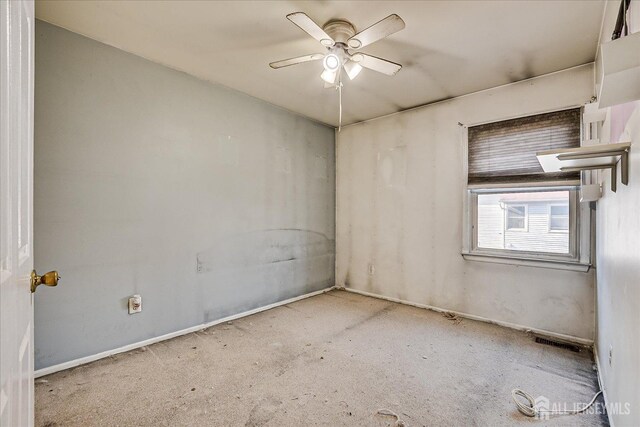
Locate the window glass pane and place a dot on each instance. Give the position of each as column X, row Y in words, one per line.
column 559, row 217
column 515, row 223
column 524, row 221
column 559, row 223
column 560, row 210
column 516, row 211
column 516, row 217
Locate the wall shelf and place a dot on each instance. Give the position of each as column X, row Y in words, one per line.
column 602, row 156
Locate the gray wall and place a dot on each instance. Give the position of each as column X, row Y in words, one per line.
column 203, row 200
column 618, row 279
column 400, row 209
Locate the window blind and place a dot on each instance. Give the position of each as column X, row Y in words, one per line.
column 505, row 152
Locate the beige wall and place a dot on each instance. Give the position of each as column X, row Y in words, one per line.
column 400, row 195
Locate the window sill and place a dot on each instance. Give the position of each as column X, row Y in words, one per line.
column 528, row 262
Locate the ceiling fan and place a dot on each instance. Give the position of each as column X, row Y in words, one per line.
column 338, row 36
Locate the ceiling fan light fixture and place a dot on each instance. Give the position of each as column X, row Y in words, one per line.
column 331, row 62
column 329, row 76
column 352, row 69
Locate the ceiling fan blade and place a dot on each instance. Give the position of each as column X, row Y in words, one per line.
column 376, row 64
column 296, row 60
column 308, row 26
column 381, row 29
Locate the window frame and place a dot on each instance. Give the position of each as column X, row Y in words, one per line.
column 524, row 229
column 573, row 255
column 581, row 259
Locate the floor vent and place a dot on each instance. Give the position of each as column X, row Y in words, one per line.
column 566, row 346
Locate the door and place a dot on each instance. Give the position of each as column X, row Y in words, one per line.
column 16, row 212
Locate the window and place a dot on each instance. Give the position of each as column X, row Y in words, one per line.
column 514, row 209
column 559, row 218
column 516, row 217
column 519, row 221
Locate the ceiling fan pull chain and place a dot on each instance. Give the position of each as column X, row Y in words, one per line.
column 340, row 108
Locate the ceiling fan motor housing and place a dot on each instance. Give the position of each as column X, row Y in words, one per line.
column 339, row 30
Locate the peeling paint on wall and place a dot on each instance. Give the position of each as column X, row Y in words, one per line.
column 320, row 167
column 227, row 150
column 392, row 164
column 283, row 159
column 267, row 247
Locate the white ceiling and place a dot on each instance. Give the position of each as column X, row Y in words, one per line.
column 448, row 48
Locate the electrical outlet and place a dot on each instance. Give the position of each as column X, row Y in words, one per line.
column 135, row 304
column 372, row 269
column 610, row 354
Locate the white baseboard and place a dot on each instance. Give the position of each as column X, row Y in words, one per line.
column 601, row 383
column 81, row 361
column 567, row 338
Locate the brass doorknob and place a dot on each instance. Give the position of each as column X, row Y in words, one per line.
column 50, row 279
